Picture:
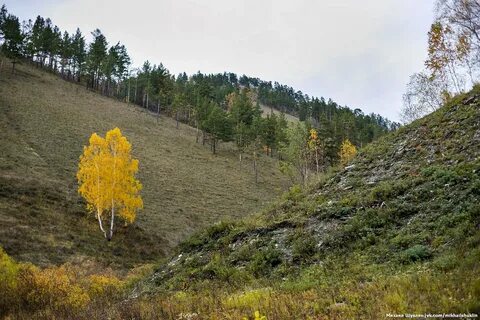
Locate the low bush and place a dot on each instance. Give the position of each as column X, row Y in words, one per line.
column 52, row 292
column 304, row 247
column 416, row 253
column 264, row 261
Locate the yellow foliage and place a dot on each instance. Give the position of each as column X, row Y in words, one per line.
column 230, row 98
column 106, row 177
column 8, row 282
column 347, row 152
column 100, row 285
column 313, row 139
column 93, row 167
column 257, row 316
column 180, row 295
column 248, row 299
column 61, row 291
column 55, row 287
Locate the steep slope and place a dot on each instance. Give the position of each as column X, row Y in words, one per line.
column 45, row 122
column 267, row 110
column 396, row 231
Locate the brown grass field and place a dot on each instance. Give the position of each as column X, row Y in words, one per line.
column 44, row 124
column 267, row 110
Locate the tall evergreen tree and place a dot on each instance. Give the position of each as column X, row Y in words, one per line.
column 78, row 54
column 218, row 125
column 13, row 39
column 27, row 29
column 37, row 39
column 3, row 17
column 97, row 53
column 55, row 47
column 243, row 113
column 65, row 52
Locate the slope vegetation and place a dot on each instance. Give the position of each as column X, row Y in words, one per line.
column 45, row 122
column 397, row 231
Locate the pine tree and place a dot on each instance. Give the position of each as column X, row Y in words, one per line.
column 37, row 39
column 78, row 54
column 65, row 52
column 96, row 56
column 122, row 65
column 3, row 17
column 55, row 48
column 218, row 125
column 27, row 29
column 178, row 105
column 243, row 114
column 108, row 68
column 13, row 39
column 268, row 134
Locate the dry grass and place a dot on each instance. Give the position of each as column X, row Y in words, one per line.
column 267, row 110
column 45, row 122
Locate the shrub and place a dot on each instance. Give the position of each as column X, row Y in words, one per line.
column 251, row 299
column 446, row 263
column 294, row 193
column 54, row 292
column 217, row 269
column 8, row 283
column 55, row 288
column 264, row 261
column 388, row 190
column 257, row 316
column 243, row 253
column 104, row 286
column 304, row 247
column 404, row 240
column 416, row 253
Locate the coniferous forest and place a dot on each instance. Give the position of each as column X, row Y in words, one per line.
column 213, row 103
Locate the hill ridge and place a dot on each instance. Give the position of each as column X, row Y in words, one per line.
column 408, row 200
column 45, row 122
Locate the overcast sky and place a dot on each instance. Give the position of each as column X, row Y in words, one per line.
column 359, row 53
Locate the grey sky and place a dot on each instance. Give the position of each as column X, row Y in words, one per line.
column 359, row 53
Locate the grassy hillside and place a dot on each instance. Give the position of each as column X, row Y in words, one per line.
column 397, row 231
column 44, row 124
column 267, row 110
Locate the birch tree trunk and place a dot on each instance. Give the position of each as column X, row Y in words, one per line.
column 100, row 224
column 135, row 96
column 110, row 235
column 128, row 92
column 198, row 133
column 255, row 166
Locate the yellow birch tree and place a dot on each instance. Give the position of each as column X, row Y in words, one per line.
column 347, row 152
column 106, row 177
column 313, row 146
